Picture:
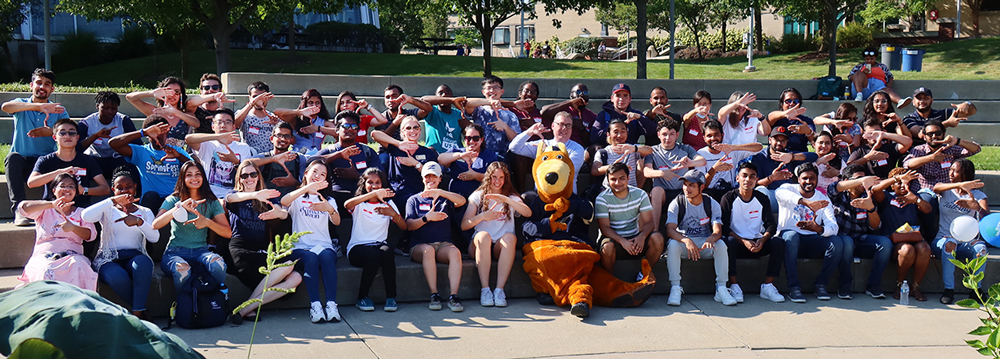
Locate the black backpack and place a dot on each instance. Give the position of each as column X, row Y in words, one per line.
column 202, row 302
column 706, row 203
column 829, row 87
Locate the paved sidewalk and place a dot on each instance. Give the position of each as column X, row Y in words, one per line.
column 699, row 328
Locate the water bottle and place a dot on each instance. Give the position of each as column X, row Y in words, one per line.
column 904, row 294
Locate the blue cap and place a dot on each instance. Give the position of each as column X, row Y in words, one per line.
column 621, row 87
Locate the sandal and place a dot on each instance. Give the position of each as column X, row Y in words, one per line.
column 895, row 294
column 917, row 294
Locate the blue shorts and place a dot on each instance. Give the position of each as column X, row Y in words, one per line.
column 873, row 85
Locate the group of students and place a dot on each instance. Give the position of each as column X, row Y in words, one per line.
column 876, row 185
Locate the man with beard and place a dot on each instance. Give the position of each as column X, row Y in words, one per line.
column 32, row 135
column 561, row 133
column 394, row 100
column 881, row 151
column 205, row 106
column 859, row 220
column 809, row 229
column 347, row 159
column 280, row 167
column 658, row 99
column 721, row 175
column 949, row 117
column 255, row 122
column 576, row 107
column 620, row 107
column 776, row 162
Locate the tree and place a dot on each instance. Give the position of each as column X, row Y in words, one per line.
column 828, row 13
column 975, row 6
column 725, row 11
column 11, row 17
column 878, row 11
column 693, row 15
column 406, row 18
column 624, row 17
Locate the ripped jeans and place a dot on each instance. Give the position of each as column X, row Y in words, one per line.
column 176, row 262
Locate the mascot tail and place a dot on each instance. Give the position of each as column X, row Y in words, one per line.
column 613, row 292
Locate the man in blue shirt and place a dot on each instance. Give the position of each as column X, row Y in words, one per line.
column 32, row 135
column 499, row 124
column 159, row 165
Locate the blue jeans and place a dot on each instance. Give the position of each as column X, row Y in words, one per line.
column 175, row 256
column 814, row 246
column 965, row 251
column 311, row 265
column 876, row 247
column 129, row 276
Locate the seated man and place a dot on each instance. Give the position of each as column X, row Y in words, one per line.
column 583, row 118
column 625, row 217
column 807, row 224
column 347, row 159
column 658, row 99
column 255, row 122
column 748, row 227
column 859, row 222
column 668, row 162
column 280, row 168
column 562, row 131
column 870, row 76
column 159, row 164
column 694, row 225
column 949, row 117
column 205, row 105
column 776, row 162
column 492, row 114
column 443, row 122
column 66, row 159
column 98, row 127
column 617, row 151
column 620, row 107
column 220, row 152
column 881, row 151
column 721, row 159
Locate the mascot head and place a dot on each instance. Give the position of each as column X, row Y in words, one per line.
column 553, row 172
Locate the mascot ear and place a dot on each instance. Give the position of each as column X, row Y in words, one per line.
column 540, row 148
column 562, row 147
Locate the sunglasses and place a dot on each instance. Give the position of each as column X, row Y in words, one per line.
column 211, row 87
column 349, row 126
column 793, row 101
column 248, row 175
column 408, row 128
column 65, row 134
column 473, row 138
column 935, row 134
column 582, row 92
column 869, row 53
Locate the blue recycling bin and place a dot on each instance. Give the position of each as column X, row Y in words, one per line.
column 913, row 59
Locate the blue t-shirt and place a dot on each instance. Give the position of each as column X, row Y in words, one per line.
column 495, row 140
column 796, row 142
column 246, row 224
column 465, row 188
column 894, row 214
column 305, row 143
column 156, row 176
column 406, row 180
column 360, row 162
column 25, row 121
column 442, row 131
column 432, row 231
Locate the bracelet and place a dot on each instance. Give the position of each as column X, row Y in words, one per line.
column 958, row 141
column 141, row 134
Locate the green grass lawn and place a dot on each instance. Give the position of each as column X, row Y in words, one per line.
column 960, row 60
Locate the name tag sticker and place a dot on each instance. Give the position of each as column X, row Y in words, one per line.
column 862, row 215
column 703, row 221
column 254, row 130
column 538, row 119
column 693, row 132
column 946, row 164
column 664, row 168
column 99, row 141
column 882, row 162
column 424, row 207
column 420, row 157
column 81, row 172
column 895, row 203
column 361, row 165
column 320, row 134
column 362, row 133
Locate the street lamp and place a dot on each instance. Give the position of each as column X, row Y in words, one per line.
column 749, row 37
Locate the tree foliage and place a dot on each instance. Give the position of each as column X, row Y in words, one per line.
column 722, row 12
column 692, row 14
column 877, row 11
column 828, row 13
column 11, row 16
column 620, row 16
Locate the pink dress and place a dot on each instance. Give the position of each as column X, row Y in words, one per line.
column 58, row 255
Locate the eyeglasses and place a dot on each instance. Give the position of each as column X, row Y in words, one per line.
column 869, row 53
column 211, row 87
column 793, row 101
column 349, row 126
column 473, row 138
column 249, row 175
column 284, row 136
column 561, row 124
column 935, row 134
column 493, row 87
column 65, row 133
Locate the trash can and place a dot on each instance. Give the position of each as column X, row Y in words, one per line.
column 912, row 60
column 891, row 56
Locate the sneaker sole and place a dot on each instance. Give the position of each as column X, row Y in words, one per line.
column 366, row 309
column 845, row 297
column 500, row 306
column 879, row 296
column 456, row 310
column 390, row 309
column 797, row 300
column 432, row 307
column 823, row 298
column 781, row 300
column 487, row 304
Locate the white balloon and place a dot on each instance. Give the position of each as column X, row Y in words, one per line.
column 964, row 228
column 181, row 215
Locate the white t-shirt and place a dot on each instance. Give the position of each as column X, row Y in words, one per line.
column 369, row 226
column 747, row 219
column 746, row 132
column 221, row 176
column 497, row 228
column 306, row 219
column 734, row 158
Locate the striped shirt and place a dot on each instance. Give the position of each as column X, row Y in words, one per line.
column 623, row 213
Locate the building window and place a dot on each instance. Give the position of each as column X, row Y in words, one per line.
column 501, row 36
column 527, row 34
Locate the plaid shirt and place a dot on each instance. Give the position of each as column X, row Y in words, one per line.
column 935, row 172
column 852, row 221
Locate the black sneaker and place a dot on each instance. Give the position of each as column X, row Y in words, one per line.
column 948, row 297
column 455, row 304
column 435, row 302
column 821, row 292
column 545, row 299
column 876, row 293
column 236, row 319
column 795, row 295
column 973, row 296
column 845, row 294
column 580, row 310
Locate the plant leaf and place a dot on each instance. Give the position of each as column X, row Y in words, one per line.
column 968, row 303
column 975, row 343
column 983, row 330
column 986, row 351
column 959, row 264
column 994, row 339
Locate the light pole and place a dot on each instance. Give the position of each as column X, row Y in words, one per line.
column 672, row 29
column 750, row 67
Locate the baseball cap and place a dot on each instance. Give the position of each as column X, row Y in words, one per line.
column 694, row 176
column 922, row 90
column 621, row 87
column 431, row 168
column 779, row 131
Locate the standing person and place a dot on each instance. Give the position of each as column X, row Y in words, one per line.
column 923, row 98
column 202, row 212
column 346, row 101
column 562, row 132
column 791, row 115
column 220, row 152
column 492, row 114
column 121, row 260
column 204, row 107
column 880, row 151
column 721, row 159
column 348, row 158
column 251, row 210
column 749, row 229
column 625, row 218
column 903, row 227
column 491, row 212
column 878, row 107
column 620, row 107
column 255, row 122
column 444, row 122
column 32, row 135
column 694, row 120
column 660, row 103
column 369, row 246
column 280, row 167
column 99, row 127
column 809, row 229
column 316, row 252
column 431, row 242
column 870, row 76
column 171, row 103
column 59, row 236
column 69, row 161
column 961, row 197
column 668, row 162
column 310, row 121
column 740, row 123
column 583, row 118
column 694, row 225
column 859, row 220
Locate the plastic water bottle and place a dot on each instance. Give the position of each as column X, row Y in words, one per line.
column 904, row 294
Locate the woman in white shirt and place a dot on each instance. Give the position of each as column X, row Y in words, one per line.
column 368, row 248
column 491, row 211
column 122, row 261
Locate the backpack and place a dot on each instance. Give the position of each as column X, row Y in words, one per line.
column 706, row 204
column 202, row 302
column 829, row 87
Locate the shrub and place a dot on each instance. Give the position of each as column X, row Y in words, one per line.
column 790, row 43
column 854, row 35
column 583, row 45
column 132, row 43
column 78, row 50
column 734, row 39
column 365, row 37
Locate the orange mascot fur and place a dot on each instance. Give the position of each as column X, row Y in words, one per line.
column 558, row 255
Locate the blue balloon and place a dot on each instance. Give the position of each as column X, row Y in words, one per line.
column 989, row 227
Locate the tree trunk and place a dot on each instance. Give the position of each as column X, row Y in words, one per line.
column 641, row 25
column 184, row 45
column 758, row 28
column 831, row 37
column 10, row 62
column 487, row 36
column 291, row 33
column 975, row 18
column 221, row 39
column 724, row 49
column 697, row 44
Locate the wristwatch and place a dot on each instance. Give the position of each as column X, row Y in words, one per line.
column 424, row 218
column 86, row 190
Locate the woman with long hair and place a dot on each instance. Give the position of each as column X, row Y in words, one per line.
column 60, row 233
column 880, row 106
column 467, row 167
column 316, row 251
column 348, row 102
column 191, row 211
column 251, row 214
column 829, row 162
column 740, row 123
column 122, row 261
column 171, row 103
column 961, row 197
column 899, row 208
column 843, row 124
column 491, row 212
column 695, row 119
column 369, row 248
column 311, row 121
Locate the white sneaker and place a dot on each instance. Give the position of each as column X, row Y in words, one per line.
column 722, row 295
column 860, row 97
column 769, row 292
column 332, row 313
column 675, row 295
column 316, row 312
column 903, row 102
column 486, row 297
column 22, row 221
column 736, row 292
column 499, row 298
